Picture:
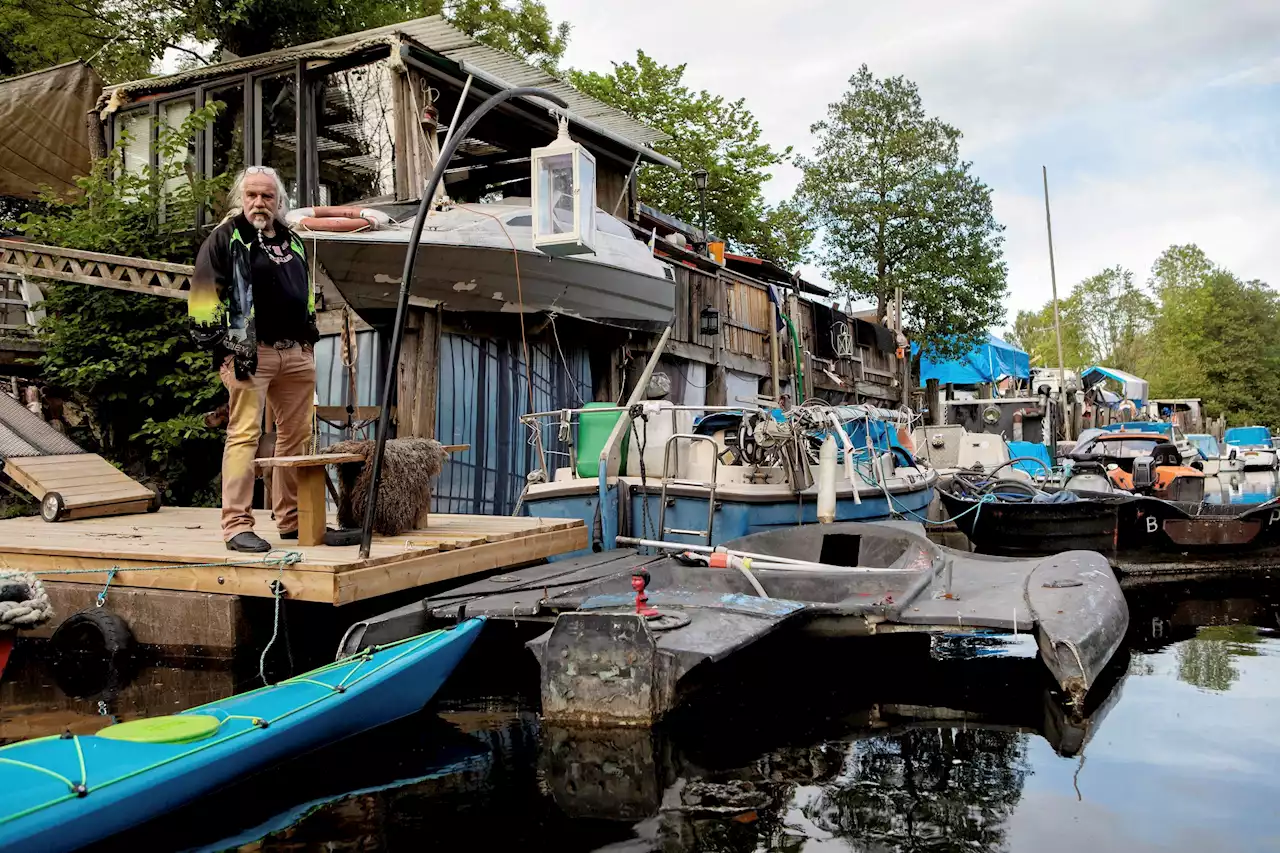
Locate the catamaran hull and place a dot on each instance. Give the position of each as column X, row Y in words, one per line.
column 469, row 278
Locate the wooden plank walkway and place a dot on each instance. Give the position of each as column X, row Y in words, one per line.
column 190, row 540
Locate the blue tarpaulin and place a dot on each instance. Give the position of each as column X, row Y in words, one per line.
column 987, row 362
column 1034, row 450
column 1253, row 436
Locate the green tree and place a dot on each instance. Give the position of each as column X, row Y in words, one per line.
column 1033, row 332
column 704, row 132
column 127, row 359
column 899, row 208
column 125, row 37
column 1215, row 337
column 121, row 37
column 1113, row 317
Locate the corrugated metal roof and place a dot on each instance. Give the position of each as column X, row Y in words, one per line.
column 23, row 433
column 438, row 35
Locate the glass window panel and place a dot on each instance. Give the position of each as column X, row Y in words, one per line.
column 226, row 136
column 277, row 114
column 555, row 194
column 181, row 165
column 355, row 148
column 133, row 137
column 587, row 207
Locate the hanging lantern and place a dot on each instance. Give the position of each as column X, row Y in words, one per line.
column 564, row 196
column 709, row 322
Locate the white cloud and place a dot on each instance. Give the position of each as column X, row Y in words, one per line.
column 1154, row 116
column 1233, row 214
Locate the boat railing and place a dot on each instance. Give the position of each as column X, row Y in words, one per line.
column 566, row 421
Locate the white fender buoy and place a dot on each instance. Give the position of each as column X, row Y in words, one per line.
column 827, row 481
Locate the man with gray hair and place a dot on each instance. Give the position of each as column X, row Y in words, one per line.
column 253, row 303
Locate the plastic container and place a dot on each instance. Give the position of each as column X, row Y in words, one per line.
column 593, row 431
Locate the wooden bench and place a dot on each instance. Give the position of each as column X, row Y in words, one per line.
column 311, row 508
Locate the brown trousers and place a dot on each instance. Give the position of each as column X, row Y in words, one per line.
column 285, row 384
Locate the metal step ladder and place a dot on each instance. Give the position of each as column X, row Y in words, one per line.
column 671, row 442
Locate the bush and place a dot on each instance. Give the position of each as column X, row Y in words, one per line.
column 127, row 359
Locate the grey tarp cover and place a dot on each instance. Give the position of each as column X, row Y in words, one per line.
column 44, row 140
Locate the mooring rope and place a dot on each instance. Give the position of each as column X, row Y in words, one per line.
column 276, row 558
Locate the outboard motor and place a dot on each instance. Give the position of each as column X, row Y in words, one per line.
column 1144, row 473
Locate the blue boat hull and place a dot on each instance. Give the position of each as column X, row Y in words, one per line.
column 733, row 519
column 128, row 783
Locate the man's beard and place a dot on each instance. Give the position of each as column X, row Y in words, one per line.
column 260, row 220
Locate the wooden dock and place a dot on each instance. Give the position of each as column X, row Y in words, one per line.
column 189, row 542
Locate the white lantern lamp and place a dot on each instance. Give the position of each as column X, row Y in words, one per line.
column 564, row 196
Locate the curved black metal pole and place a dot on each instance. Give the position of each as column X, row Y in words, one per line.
column 406, row 279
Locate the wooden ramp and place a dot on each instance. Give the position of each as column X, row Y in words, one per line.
column 189, row 541
column 80, row 485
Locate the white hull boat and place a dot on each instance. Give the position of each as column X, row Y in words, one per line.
column 480, row 257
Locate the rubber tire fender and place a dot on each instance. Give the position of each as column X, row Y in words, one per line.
column 107, row 628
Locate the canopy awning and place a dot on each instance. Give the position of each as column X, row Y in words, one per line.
column 989, row 362
column 46, row 142
column 1134, row 388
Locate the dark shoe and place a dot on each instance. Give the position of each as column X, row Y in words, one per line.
column 249, row 543
column 291, row 534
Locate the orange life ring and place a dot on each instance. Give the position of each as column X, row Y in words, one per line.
column 338, row 219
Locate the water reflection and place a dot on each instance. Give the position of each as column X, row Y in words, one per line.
column 1205, row 661
column 820, row 747
column 1246, row 487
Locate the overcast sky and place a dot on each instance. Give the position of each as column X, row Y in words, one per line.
column 1158, row 119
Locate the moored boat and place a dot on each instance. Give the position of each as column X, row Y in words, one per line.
column 481, row 257
column 64, row 793
column 712, row 474
column 1253, row 444
column 1137, row 533
column 1216, row 458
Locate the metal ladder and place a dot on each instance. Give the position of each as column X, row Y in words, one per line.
column 666, row 479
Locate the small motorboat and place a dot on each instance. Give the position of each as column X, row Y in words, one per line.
column 1216, row 458
column 1253, row 444
column 67, row 792
column 480, row 257
column 1134, row 462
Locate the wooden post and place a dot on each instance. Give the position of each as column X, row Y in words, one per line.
column 311, row 508
column 933, row 402
column 418, row 373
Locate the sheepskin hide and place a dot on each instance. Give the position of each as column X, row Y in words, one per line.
column 404, row 494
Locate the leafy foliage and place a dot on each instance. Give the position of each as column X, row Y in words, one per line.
column 899, row 208
column 1200, row 332
column 125, row 37
column 127, row 359
column 1033, row 332
column 705, row 132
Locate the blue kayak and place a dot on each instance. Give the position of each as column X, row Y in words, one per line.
column 63, row 793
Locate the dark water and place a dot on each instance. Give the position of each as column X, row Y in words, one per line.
column 805, row 746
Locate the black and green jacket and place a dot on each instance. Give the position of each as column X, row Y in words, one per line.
column 221, row 302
